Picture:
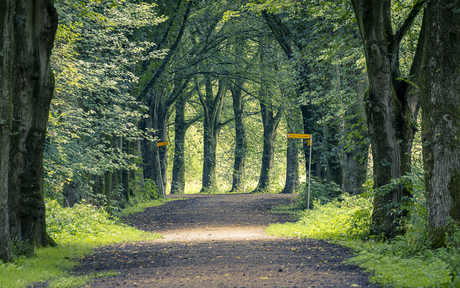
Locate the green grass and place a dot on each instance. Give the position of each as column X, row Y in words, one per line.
column 77, row 231
column 346, row 222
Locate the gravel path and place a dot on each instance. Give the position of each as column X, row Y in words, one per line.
column 218, row 241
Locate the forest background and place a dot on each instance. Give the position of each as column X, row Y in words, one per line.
column 223, row 82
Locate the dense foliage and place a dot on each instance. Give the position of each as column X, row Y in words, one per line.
column 93, row 112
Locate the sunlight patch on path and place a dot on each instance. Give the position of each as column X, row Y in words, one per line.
column 214, row 233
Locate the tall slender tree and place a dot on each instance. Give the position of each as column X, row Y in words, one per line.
column 236, row 90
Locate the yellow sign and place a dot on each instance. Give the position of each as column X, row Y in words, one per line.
column 308, row 142
column 162, row 143
column 301, row 136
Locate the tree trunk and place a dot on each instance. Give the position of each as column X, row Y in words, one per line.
column 158, row 120
column 309, row 120
column 333, row 161
column 108, row 183
column 270, row 123
column 34, row 26
column 6, row 114
column 391, row 110
column 72, row 194
column 180, row 126
column 212, row 111
column 163, row 118
column 292, row 167
column 148, row 149
column 210, row 138
column 240, row 137
column 354, row 171
column 440, row 100
column 355, row 160
column 137, row 174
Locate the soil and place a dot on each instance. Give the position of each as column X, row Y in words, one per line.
column 219, row 241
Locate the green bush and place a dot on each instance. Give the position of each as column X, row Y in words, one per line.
column 320, row 192
column 87, row 224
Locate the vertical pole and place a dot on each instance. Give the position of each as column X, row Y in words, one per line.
column 309, row 173
column 159, row 171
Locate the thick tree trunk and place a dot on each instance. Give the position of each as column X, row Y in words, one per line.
column 180, row 126
column 240, row 138
column 158, row 120
column 440, row 100
column 148, row 149
column 34, row 26
column 333, row 161
column 270, row 123
column 212, row 111
column 292, row 167
column 210, row 138
column 355, row 160
column 6, row 114
column 355, row 168
column 309, row 120
column 391, row 110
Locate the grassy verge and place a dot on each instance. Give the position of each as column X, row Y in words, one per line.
column 77, row 230
column 403, row 262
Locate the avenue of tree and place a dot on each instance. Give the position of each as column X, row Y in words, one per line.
column 89, row 87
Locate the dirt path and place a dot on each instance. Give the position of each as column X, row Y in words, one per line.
column 218, row 241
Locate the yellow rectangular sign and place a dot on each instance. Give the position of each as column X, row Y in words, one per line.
column 162, row 143
column 301, row 136
column 308, row 142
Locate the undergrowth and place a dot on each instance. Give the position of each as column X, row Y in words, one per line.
column 405, row 261
column 76, row 230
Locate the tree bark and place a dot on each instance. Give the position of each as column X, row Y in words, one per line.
column 6, row 114
column 34, row 26
column 355, row 159
column 270, row 123
column 309, row 120
column 292, row 167
column 158, row 120
column 240, row 137
column 212, row 106
column 180, row 130
column 391, row 108
column 355, row 163
column 440, row 101
column 333, row 161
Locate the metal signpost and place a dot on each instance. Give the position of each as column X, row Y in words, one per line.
column 159, row 167
column 309, row 138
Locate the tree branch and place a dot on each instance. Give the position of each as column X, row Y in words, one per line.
column 401, row 32
column 172, row 50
